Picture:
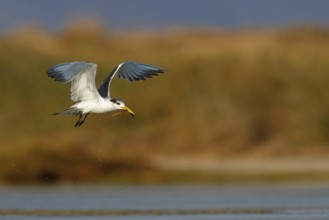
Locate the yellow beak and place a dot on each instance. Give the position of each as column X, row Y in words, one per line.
column 128, row 110
column 123, row 110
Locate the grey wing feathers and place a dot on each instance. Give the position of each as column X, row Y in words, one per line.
column 65, row 72
column 103, row 89
column 81, row 74
column 131, row 71
column 134, row 71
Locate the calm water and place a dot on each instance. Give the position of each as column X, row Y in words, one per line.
column 282, row 202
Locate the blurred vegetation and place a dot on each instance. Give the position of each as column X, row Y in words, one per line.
column 225, row 93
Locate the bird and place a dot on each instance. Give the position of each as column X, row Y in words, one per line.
column 89, row 99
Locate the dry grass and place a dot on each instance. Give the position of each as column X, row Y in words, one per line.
column 261, row 92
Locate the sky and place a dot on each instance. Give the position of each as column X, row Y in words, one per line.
column 119, row 15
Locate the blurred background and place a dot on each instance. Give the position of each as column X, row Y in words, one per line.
column 245, row 97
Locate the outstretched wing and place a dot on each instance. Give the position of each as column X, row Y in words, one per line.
column 82, row 77
column 131, row 71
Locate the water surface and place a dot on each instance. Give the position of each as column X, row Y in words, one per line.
column 284, row 202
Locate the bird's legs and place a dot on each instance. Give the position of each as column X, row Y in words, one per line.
column 80, row 122
column 84, row 119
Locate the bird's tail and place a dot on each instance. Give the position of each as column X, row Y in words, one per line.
column 69, row 111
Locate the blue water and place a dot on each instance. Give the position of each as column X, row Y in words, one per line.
column 282, row 202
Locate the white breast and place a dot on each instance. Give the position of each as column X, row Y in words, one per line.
column 100, row 105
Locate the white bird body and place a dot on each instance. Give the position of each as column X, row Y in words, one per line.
column 99, row 105
column 88, row 98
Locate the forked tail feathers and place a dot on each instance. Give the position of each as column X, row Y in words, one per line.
column 69, row 111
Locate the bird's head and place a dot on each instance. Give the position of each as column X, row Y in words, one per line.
column 120, row 105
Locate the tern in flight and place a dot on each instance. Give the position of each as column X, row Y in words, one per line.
column 88, row 98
